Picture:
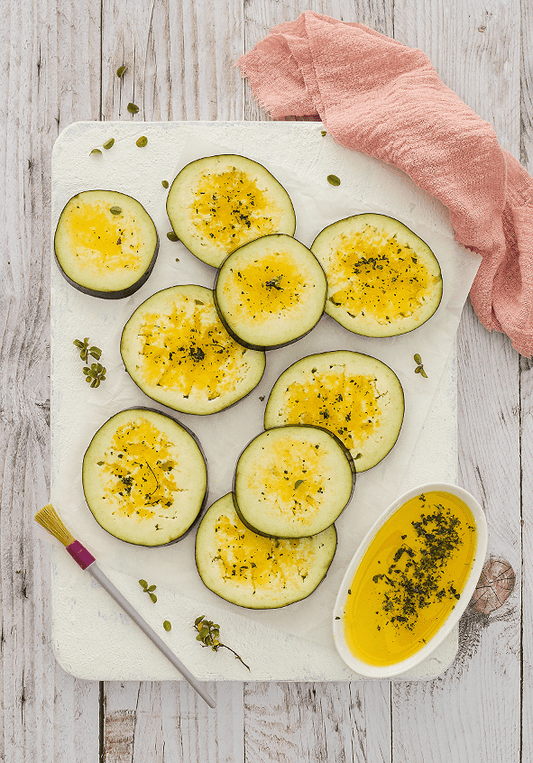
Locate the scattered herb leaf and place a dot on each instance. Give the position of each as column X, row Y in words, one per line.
column 333, row 180
column 148, row 589
column 323, row 132
column 164, row 183
column 109, row 143
column 142, row 141
column 96, row 151
column 167, row 625
column 298, row 483
column 209, row 635
column 420, row 368
column 132, row 108
column 115, row 210
column 172, row 236
column 121, row 71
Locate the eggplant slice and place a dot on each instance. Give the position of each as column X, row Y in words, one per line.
column 354, row 396
column 218, row 203
column 105, row 244
column 270, row 292
column 144, row 477
column 383, row 279
column 176, row 349
column 254, row 571
column 293, row 481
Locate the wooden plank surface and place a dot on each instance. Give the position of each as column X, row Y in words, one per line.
column 58, row 63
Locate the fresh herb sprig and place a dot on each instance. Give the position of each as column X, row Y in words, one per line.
column 209, row 635
column 149, row 589
column 96, row 372
column 85, row 350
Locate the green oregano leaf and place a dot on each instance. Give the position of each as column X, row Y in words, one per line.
column 109, row 143
column 115, row 210
column 96, row 152
column 121, row 71
column 142, row 141
column 164, row 183
column 172, row 236
column 333, row 180
column 132, row 108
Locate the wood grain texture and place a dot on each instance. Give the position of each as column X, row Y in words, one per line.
column 169, row 722
column 341, row 722
column 179, row 56
column 526, row 408
column 45, row 714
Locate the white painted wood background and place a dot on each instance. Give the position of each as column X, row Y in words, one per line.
column 57, row 65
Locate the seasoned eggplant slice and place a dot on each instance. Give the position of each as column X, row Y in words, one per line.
column 270, row 292
column 355, row 396
column 105, row 244
column 176, row 349
column 255, row 571
column 293, row 481
column 383, row 279
column 218, row 203
column 144, row 477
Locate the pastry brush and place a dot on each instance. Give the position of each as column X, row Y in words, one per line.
column 50, row 520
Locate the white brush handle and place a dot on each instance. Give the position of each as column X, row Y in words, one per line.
column 104, row 581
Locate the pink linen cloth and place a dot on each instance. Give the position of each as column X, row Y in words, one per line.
column 385, row 99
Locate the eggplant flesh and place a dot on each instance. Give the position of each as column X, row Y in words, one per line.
column 218, row 203
column 270, row 292
column 355, row 396
column 293, row 481
column 383, row 280
column 105, row 244
column 178, row 352
column 145, row 477
column 254, row 571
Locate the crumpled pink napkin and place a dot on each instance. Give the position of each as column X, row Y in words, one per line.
column 385, row 99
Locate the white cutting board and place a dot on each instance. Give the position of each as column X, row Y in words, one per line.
column 92, row 638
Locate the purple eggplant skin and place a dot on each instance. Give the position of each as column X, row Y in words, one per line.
column 311, row 426
column 202, row 508
column 122, row 293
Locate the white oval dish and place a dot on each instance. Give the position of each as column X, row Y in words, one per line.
column 386, row 671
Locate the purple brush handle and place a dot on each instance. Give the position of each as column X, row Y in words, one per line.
column 80, row 555
column 87, row 562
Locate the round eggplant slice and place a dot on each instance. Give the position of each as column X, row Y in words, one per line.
column 254, row 571
column 105, row 244
column 354, row 396
column 176, row 349
column 383, row 279
column 270, row 292
column 144, row 477
column 218, row 203
column 293, row 481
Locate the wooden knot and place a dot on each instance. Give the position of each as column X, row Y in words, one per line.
column 495, row 585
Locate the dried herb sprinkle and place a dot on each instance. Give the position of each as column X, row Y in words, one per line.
column 414, row 579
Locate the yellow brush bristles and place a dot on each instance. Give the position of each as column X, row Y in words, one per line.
column 48, row 518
